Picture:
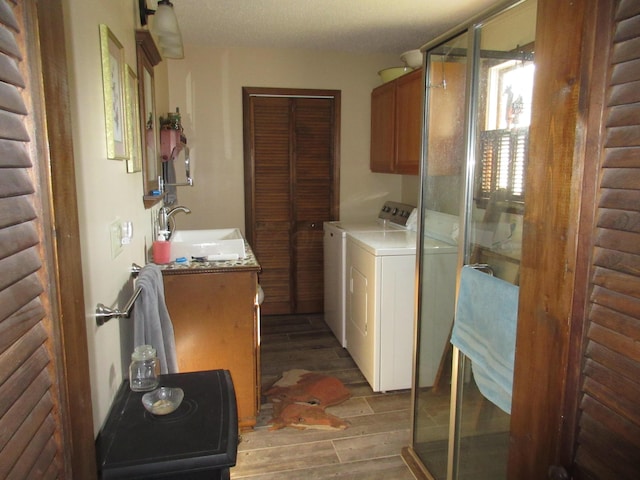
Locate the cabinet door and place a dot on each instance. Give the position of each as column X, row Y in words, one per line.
column 383, row 112
column 408, row 125
column 215, row 326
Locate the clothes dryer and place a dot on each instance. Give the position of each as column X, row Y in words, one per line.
column 392, row 216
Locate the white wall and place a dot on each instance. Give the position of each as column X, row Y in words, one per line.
column 106, row 191
column 207, row 87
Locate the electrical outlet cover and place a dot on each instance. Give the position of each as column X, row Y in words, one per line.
column 115, row 230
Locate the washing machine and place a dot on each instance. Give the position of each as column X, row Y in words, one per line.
column 391, row 217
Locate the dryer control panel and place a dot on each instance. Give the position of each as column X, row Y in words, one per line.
column 396, row 212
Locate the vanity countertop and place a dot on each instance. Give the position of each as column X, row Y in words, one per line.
column 248, row 263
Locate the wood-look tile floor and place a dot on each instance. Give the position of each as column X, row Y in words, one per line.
column 369, row 449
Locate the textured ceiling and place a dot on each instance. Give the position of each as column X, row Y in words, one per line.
column 358, row 26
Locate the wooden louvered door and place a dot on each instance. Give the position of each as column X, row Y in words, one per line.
column 269, row 232
column 608, row 425
column 291, row 188
column 312, row 186
column 575, row 409
column 43, row 374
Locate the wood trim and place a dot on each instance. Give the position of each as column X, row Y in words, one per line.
column 595, row 58
column 550, row 246
column 414, row 462
column 148, row 46
column 335, row 179
column 249, row 163
column 65, row 234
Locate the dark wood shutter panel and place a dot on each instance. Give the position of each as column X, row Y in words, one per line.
column 608, row 442
column 313, row 179
column 272, row 150
column 29, row 403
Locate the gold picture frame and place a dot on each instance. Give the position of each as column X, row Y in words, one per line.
column 113, row 84
column 134, row 162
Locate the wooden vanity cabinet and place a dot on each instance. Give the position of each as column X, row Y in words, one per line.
column 396, row 112
column 216, row 325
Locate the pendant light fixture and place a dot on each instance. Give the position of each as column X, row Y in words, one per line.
column 165, row 27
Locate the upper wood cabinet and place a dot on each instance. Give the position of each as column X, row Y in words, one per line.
column 383, row 119
column 396, row 109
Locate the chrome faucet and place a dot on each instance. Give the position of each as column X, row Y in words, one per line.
column 164, row 216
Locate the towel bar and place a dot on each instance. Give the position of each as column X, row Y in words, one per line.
column 483, row 267
column 104, row 313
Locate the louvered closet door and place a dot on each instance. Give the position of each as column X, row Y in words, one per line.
column 30, row 432
column 312, row 185
column 609, row 425
column 273, row 208
column 291, row 139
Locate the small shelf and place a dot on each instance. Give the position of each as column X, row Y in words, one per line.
column 150, row 200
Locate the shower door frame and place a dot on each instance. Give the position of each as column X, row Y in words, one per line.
column 472, row 29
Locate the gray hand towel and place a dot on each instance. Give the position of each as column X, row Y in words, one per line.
column 152, row 324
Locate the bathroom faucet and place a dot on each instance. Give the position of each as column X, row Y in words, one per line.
column 164, row 217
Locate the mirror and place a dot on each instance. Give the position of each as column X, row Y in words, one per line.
column 148, row 57
column 176, row 163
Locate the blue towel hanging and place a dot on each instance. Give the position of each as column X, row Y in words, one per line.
column 484, row 330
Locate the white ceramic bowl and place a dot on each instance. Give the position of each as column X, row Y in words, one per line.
column 163, row 400
column 412, row 58
column 392, row 73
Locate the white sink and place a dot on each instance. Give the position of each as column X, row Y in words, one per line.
column 217, row 244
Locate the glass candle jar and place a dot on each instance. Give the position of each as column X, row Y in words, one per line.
column 143, row 371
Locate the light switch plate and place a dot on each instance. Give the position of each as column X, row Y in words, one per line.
column 115, row 231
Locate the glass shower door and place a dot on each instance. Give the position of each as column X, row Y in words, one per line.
column 500, row 112
column 478, row 84
column 443, row 180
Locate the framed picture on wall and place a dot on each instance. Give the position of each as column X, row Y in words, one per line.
column 134, row 162
column 113, row 84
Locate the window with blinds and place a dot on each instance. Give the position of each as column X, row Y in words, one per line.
column 502, row 162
